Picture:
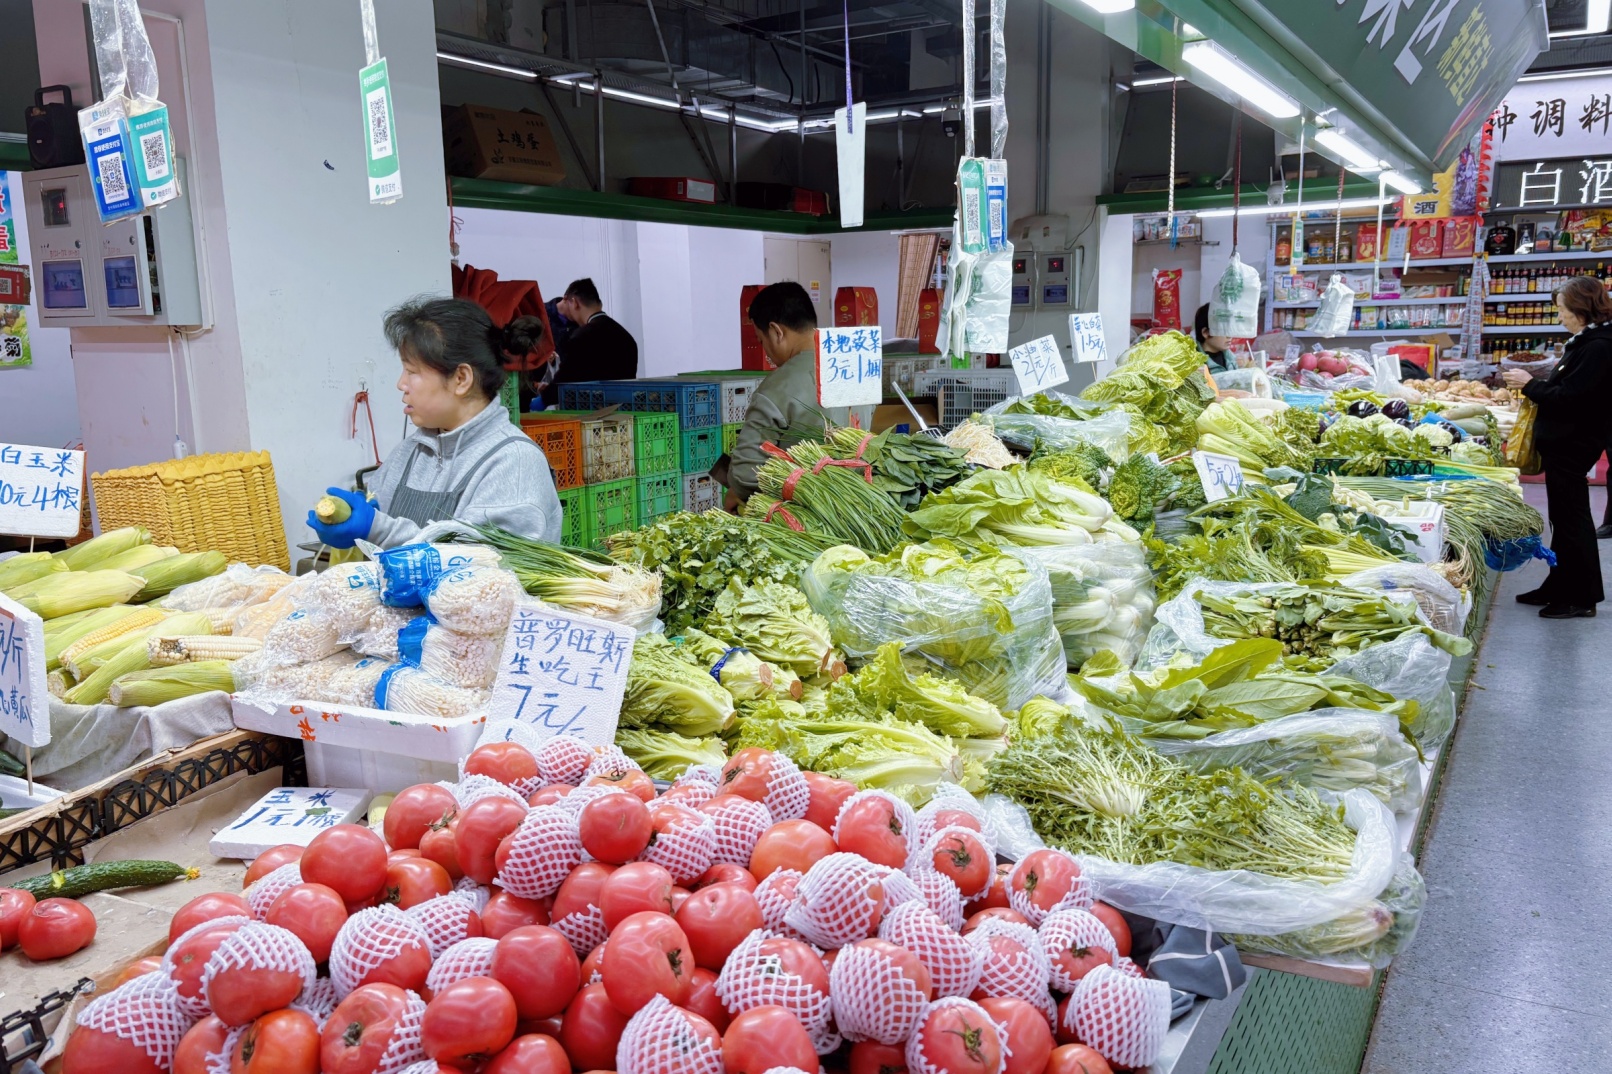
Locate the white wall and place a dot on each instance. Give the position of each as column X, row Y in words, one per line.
column 722, row 263
column 870, row 259
column 37, row 402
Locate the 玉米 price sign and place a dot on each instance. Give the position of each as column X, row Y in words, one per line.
column 563, row 673
column 1221, row 475
column 40, row 490
column 850, row 366
column 24, row 701
column 1038, row 365
column 1086, row 334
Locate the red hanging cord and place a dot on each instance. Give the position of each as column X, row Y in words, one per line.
column 369, row 415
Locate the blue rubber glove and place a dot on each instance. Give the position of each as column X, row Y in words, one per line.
column 356, row 528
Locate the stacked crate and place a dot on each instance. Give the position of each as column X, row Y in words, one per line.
column 602, row 463
column 737, row 388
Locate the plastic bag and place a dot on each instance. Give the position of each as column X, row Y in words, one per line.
column 475, row 600
column 1110, row 430
column 1256, row 382
column 238, row 587
column 1234, row 304
column 1335, row 314
column 1102, row 597
column 349, row 593
column 467, row 660
column 1521, row 451
column 1410, row 669
column 1440, row 602
column 1325, row 749
column 402, row 688
column 1374, row 932
column 380, row 633
column 409, row 572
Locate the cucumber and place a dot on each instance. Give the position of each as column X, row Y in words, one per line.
column 81, row 880
column 6, row 814
column 10, row 766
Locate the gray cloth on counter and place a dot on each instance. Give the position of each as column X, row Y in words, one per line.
column 88, row 743
column 1189, row 960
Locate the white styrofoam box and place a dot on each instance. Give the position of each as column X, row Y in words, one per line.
column 701, row 492
column 383, row 773
column 289, row 815
column 403, row 734
column 14, row 793
column 1424, row 519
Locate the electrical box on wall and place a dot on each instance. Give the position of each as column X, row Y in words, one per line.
column 1021, row 281
column 1046, row 272
column 1054, row 279
column 140, row 270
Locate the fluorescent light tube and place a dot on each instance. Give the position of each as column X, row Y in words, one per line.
column 1288, row 210
column 1236, row 76
column 641, row 98
column 1163, row 80
column 1552, row 76
column 1355, row 156
column 1402, row 183
column 497, row 68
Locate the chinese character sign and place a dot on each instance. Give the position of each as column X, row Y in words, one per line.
column 13, row 317
column 39, row 490
column 288, row 815
column 850, row 366
column 1086, row 333
column 24, row 701
column 1564, row 117
column 1038, row 365
column 1221, row 475
column 563, row 673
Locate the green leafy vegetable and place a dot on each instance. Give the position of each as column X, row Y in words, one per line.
column 1016, row 505
column 665, row 754
column 776, row 623
column 667, row 689
column 905, row 465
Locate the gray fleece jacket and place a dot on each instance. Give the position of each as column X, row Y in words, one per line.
column 782, row 410
column 514, row 491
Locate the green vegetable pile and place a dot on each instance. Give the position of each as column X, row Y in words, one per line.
column 577, row 579
column 776, row 623
column 1229, row 428
column 1013, row 506
column 905, row 465
column 1365, row 442
column 668, row 690
column 744, row 675
column 1083, row 466
column 1141, row 487
column 1325, row 622
column 666, row 754
column 1161, row 383
column 809, row 489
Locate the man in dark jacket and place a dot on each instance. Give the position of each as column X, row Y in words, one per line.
column 598, row 349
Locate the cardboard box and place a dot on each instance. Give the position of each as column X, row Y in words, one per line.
column 855, row 307
column 1426, row 239
column 890, row 415
column 1366, row 242
column 511, row 147
column 1398, row 242
column 1459, row 236
column 699, row 191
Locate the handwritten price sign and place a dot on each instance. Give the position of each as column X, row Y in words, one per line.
column 1038, row 365
column 563, row 673
column 24, row 701
column 850, row 367
column 39, row 490
column 1086, row 333
column 1221, row 475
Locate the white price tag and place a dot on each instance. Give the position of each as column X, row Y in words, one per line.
column 1086, row 333
column 288, row 815
column 850, row 366
column 1221, row 475
column 850, row 145
column 1038, row 365
column 563, row 673
column 39, row 490
column 24, row 701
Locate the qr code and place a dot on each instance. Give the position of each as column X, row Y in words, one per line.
column 154, row 150
column 380, row 124
column 114, row 187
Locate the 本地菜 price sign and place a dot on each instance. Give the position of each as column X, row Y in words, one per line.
column 1038, row 365
column 563, row 673
column 40, row 490
column 24, row 701
column 850, row 366
column 1221, row 475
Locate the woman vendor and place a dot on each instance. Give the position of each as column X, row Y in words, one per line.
column 464, row 460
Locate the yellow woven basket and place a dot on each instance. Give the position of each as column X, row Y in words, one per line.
column 225, row 502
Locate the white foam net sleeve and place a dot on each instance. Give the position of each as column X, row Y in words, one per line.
column 318, row 1000
column 700, row 773
column 524, row 787
column 585, row 929
column 262, row 892
column 1077, row 932
column 775, row 895
column 563, row 759
column 218, row 1062
column 542, row 853
column 920, row 1063
column 686, row 848
column 609, row 761
column 424, row 1066
column 953, row 963
column 754, row 976
column 145, row 1012
column 1015, row 965
column 515, row 731
column 739, row 823
column 446, row 919
column 1129, row 968
column 941, row 895
column 873, row 999
column 196, row 1006
column 1125, row 1019
column 467, row 958
column 949, row 796
column 403, row 1049
column 840, row 900
column 898, row 888
column 478, row 894
column 965, row 846
column 259, row 946
column 695, row 792
column 573, row 802
column 904, row 816
column 368, row 939
column 1081, row 894
column 474, row 788
column 788, row 793
column 661, row 1039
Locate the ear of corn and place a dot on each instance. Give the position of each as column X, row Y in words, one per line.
column 331, row 511
column 27, row 567
column 166, row 650
column 63, row 632
column 166, row 575
column 131, row 657
column 223, row 619
column 141, row 619
column 139, row 556
column 90, row 554
column 155, row 686
column 58, row 682
column 62, row 593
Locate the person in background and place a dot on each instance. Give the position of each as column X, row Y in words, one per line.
column 784, row 409
column 1571, row 429
column 465, row 460
column 1216, row 349
column 535, row 383
column 597, row 349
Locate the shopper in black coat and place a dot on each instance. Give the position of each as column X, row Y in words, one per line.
column 1571, row 429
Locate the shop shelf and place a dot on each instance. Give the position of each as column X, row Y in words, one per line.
column 696, row 405
column 1447, row 300
column 901, row 370
column 608, row 508
column 736, row 392
column 561, row 441
column 962, row 393
column 700, row 449
column 659, row 496
column 701, row 492
column 573, row 520
column 655, row 443
column 730, row 436
column 1524, row 330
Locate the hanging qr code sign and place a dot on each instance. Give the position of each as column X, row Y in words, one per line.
column 380, row 128
column 563, row 673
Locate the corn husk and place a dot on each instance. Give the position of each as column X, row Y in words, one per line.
column 88, row 653
column 89, row 555
column 65, row 592
column 155, row 686
column 26, row 567
column 166, row 575
column 62, row 632
column 132, row 657
column 139, row 556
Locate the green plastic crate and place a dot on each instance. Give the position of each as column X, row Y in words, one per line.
column 730, row 436
column 654, row 443
column 609, row 507
column 573, row 522
column 659, row 496
column 701, row 449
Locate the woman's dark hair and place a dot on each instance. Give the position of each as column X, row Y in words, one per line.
column 1200, row 324
column 446, row 333
column 787, row 304
column 1588, row 299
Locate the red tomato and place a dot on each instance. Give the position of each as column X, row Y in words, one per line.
column 790, row 844
column 766, row 1037
column 1077, row 961
column 468, row 1021
column 703, row 1001
column 415, row 880
column 407, row 967
column 270, row 860
column 349, row 858
column 1044, row 877
column 725, row 873
column 592, row 1029
column 715, row 920
column 280, row 1042
column 505, row 913
column 905, row 962
column 1117, row 926
column 361, row 1028
column 189, row 958
column 355, row 905
column 996, row 895
column 402, row 855
column 593, row 965
column 1024, row 1031
column 747, row 774
column 633, row 889
column 539, row 968
column 56, row 928
column 871, row 1057
column 632, row 781
column 414, row 811
column 615, row 828
column 201, row 1040
column 535, row 1053
column 872, row 828
column 239, row 994
column 1061, row 1026
column 996, row 911
column 441, row 845
column 954, row 818
column 828, row 794
column 207, row 907
column 481, row 827
column 509, row 763
column 798, row 959
column 647, row 955
column 582, row 889
column 679, row 897
column 15, row 904
column 314, row 913
column 1077, row 1059
column 549, row 795
column 138, row 968
column 962, row 857
column 95, row 1051
column 960, row 1039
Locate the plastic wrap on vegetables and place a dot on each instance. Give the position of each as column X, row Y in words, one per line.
column 465, row 660
column 1372, row 931
column 668, row 689
column 405, row 688
column 1056, row 421
column 743, row 674
column 1102, row 598
column 777, row 624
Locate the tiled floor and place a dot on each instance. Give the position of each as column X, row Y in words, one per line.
column 1509, row 968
